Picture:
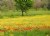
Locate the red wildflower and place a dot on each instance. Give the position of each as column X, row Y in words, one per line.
column 2, row 30
column 28, row 28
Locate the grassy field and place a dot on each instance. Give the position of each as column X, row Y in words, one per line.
column 38, row 25
column 30, row 12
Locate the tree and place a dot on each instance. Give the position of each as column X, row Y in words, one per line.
column 7, row 5
column 23, row 5
column 2, row 4
column 48, row 7
column 37, row 4
column 10, row 4
column 40, row 4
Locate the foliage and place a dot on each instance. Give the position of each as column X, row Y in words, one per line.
column 23, row 5
column 6, row 5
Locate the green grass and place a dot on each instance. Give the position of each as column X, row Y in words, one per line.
column 30, row 12
column 28, row 33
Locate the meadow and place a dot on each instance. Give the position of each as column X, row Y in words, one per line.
column 18, row 13
column 26, row 26
column 33, row 23
column 24, row 17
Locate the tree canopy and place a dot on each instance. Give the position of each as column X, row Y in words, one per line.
column 23, row 5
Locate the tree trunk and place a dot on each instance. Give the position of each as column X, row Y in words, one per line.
column 22, row 13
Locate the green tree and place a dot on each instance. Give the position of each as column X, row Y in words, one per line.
column 48, row 7
column 23, row 5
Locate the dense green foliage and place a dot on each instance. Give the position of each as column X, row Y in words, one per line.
column 23, row 5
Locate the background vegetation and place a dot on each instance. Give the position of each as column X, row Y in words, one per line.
column 34, row 7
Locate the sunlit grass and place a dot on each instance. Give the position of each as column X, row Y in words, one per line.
column 25, row 21
column 25, row 26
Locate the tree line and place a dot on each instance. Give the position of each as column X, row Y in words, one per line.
column 24, row 5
